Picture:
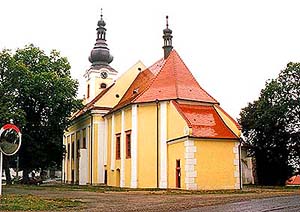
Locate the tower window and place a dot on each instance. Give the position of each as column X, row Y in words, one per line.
column 88, row 91
column 103, row 85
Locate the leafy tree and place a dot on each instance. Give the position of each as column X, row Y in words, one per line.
column 271, row 126
column 39, row 95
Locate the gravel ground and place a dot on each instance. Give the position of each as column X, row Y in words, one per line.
column 148, row 200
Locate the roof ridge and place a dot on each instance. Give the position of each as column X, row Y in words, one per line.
column 150, row 84
column 194, row 77
column 175, row 73
column 176, row 104
column 132, row 84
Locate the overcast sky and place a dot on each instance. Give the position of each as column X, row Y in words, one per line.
column 232, row 47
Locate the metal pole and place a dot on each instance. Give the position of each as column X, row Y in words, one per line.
column 1, row 163
column 17, row 175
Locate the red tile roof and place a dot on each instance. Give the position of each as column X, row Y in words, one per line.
column 204, row 121
column 174, row 81
column 155, row 68
column 295, row 180
column 138, row 86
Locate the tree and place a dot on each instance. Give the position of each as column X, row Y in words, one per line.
column 271, row 126
column 40, row 95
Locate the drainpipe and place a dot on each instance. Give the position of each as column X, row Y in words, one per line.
column 91, row 143
column 157, row 142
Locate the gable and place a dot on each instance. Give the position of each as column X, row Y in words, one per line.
column 204, row 121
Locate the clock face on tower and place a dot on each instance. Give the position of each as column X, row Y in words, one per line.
column 104, row 74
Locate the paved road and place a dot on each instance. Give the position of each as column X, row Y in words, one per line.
column 284, row 203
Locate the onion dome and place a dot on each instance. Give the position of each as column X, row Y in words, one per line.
column 100, row 54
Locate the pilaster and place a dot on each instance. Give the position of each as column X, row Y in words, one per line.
column 112, row 149
column 163, row 145
column 122, row 171
column 190, row 163
column 134, row 146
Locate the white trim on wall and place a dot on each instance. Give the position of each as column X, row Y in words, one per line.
column 134, row 146
column 105, row 141
column 236, row 163
column 101, row 144
column 113, row 157
column 190, row 163
column 163, row 145
column 122, row 168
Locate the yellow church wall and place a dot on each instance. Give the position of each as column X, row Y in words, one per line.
column 215, row 164
column 229, row 122
column 110, row 173
column 176, row 152
column 147, row 157
column 175, row 130
column 127, row 172
column 120, row 87
column 128, row 119
column 117, row 123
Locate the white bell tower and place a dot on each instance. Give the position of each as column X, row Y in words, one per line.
column 100, row 75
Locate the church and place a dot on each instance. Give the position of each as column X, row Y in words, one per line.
column 152, row 127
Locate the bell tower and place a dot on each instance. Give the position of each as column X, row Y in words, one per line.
column 167, row 36
column 100, row 75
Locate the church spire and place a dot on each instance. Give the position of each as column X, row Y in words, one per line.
column 167, row 39
column 100, row 55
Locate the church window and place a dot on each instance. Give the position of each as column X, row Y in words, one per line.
column 128, row 144
column 88, row 91
column 84, row 143
column 118, row 146
column 102, row 85
column 77, row 148
column 69, row 150
column 73, row 149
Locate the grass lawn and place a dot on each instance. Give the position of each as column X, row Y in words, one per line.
column 34, row 203
column 105, row 198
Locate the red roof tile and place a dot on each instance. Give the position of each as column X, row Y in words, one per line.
column 174, row 81
column 137, row 87
column 295, row 180
column 204, row 121
column 155, row 68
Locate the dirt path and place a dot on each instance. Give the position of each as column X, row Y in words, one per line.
column 148, row 200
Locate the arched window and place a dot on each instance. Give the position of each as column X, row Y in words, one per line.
column 102, row 85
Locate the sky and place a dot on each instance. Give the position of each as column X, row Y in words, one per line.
column 231, row 47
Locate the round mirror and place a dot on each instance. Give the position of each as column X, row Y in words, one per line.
column 10, row 139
